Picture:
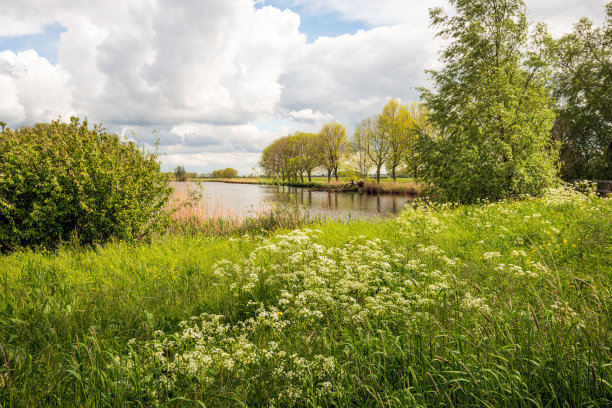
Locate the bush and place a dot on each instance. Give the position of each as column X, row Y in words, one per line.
column 62, row 181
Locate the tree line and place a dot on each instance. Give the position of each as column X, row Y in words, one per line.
column 511, row 110
column 387, row 139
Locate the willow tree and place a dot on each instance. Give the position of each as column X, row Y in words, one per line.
column 490, row 107
column 358, row 149
column 379, row 148
column 394, row 125
column 333, row 146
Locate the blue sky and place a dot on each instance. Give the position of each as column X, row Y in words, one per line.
column 218, row 80
column 317, row 24
column 45, row 43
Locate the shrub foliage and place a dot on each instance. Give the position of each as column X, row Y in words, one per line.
column 63, row 181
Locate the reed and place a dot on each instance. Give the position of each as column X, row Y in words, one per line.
column 214, row 216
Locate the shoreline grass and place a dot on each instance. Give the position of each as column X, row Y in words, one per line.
column 497, row 304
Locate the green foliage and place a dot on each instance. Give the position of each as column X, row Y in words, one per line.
column 503, row 305
column 180, row 174
column 63, row 181
column 583, row 86
column 227, row 173
column 292, row 155
column 491, row 112
column 334, row 145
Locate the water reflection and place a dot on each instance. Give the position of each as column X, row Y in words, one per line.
column 244, row 199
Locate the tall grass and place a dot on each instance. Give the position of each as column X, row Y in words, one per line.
column 497, row 304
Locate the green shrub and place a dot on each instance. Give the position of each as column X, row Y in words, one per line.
column 62, row 181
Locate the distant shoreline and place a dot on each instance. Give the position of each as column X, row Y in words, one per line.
column 401, row 187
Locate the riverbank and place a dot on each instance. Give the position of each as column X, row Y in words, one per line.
column 492, row 305
column 387, row 186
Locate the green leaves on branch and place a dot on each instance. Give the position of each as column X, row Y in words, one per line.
column 490, row 112
column 62, row 181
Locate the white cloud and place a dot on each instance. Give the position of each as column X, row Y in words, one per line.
column 309, row 115
column 32, row 89
column 351, row 76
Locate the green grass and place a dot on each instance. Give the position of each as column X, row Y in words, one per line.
column 504, row 304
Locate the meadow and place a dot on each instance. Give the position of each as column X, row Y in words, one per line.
column 505, row 304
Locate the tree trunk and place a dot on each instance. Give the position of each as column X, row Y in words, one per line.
column 336, row 173
column 329, row 172
column 393, row 173
column 378, row 174
column 302, row 176
column 309, row 176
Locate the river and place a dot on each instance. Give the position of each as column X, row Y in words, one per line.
column 243, row 200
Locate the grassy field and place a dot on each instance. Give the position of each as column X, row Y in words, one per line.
column 502, row 305
column 406, row 186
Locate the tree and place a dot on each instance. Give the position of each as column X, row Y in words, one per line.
column 62, row 181
column 180, row 174
column 333, row 146
column 394, row 125
column 292, row 155
column 272, row 159
column 583, row 87
column 227, row 173
column 492, row 112
column 379, row 149
column 311, row 153
column 418, row 124
column 358, row 150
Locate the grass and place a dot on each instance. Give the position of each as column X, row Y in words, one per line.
column 406, row 186
column 498, row 304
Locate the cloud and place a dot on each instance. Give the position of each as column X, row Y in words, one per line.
column 145, row 62
column 308, row 115
column 33, row 90
column 351, row 76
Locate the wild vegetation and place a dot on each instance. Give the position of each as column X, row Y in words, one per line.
column 492, row 304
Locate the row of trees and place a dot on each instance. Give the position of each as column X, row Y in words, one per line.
column 511, row 109
column 384, row 140
column 227, row 173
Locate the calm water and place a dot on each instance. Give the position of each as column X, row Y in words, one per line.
column 242, row 200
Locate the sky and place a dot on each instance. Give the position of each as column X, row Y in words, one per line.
column 215, row 81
